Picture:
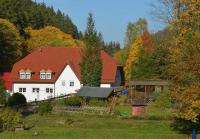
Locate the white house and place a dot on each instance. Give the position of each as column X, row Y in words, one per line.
column 53, row 72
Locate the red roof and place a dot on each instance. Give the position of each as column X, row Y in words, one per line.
column 5, row 78
column 55, row 59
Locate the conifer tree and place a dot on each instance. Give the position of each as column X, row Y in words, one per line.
column 91, row 64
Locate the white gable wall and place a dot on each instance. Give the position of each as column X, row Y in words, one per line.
column 66, row 76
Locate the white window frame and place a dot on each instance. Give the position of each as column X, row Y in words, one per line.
column 48, row 76
column 35, row 90
column 49, row 90
column 42, row 75
column 71, row 85
column 28, row 75
column 22, row 75
column 23, row 90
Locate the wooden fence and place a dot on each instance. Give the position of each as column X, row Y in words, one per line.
column 83, row 109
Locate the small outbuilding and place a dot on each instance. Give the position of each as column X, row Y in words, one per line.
column 95, row 92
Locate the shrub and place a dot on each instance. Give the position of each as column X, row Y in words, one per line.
column 16, row 99
column 97, row 102
column 2, row 94
column 163, row 99
column 73, row 101
column 44, row 108
column 10, row 119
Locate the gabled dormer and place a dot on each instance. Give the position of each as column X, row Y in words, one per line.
column 25, row 74
column 45, row 75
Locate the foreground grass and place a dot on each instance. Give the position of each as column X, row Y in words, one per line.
column 76, row 126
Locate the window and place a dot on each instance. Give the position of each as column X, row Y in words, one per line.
column 22, row 90
column 48, row 75
column 63, row 83
column 28, row 75
column 71, row 83
column 22, row 75
column 42, row 75
column 49, row 90
column 35, row 90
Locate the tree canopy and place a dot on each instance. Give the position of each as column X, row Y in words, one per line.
column 91, row 64
column 50, row 36
column 27, row 13
column 9, row 45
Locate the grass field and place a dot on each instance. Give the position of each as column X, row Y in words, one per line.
column 76, row 126
column 81, row 126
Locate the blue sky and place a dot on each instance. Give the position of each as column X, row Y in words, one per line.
column 111, row 16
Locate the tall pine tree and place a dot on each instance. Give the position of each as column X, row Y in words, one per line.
column 91, row 64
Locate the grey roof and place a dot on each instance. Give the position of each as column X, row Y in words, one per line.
column 95, row 92
column 149, row 82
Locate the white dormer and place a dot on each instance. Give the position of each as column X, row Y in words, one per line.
column 28, row 74
column 48, row 74
column 22, row 74
column 42, row 74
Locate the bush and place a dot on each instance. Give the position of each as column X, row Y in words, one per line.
column 163, row 99
column 2, row 94
column 44, row 108
column 16, row 99
column 97, row 102
column 73, row 101
column 9, row 119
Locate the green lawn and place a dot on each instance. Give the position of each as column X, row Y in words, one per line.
column 76, row 126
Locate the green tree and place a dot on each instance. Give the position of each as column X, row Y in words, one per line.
column 25, row 13
column 135, row 29
column 9, row 45
column 91, row 64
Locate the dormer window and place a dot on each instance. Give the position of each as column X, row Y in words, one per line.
column 45, row 74
column 48, row 74
column 24, row 74
column 28, row 74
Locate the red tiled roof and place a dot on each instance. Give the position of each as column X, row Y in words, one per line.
column 55, row 59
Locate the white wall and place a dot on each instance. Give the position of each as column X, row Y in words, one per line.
column 30, row 96
column 67, row 75
column 105, row 85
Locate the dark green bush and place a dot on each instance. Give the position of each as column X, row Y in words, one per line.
column 2, row 94
column 16, row 99
column 44, row 108
column 73, row 101
column 97, row 102
column 9, row 119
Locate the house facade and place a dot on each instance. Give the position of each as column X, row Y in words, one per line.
column 54, row 72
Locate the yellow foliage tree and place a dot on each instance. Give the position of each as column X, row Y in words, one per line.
column 50, row 36
column 185, row 67
column 132, row 59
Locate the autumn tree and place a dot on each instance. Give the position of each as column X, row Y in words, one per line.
column 185, row 67
column 133, row 30
column 50, row 36
column 91, row 63
column 132, row 59
column 9, row 45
